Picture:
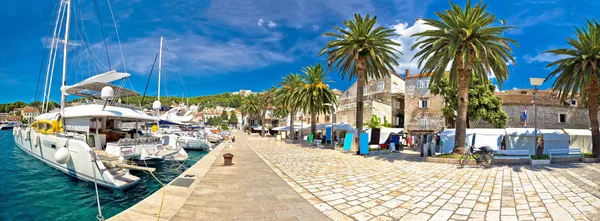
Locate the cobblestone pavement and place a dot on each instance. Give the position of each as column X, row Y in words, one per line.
column 248, row 190
column 399, row 187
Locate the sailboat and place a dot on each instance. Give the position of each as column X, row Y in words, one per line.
column 87, row 141
column 173, row 119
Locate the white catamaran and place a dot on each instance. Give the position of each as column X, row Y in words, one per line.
column 88, row 141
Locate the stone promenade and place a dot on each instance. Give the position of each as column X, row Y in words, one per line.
column 400, row 187
column 248, row 190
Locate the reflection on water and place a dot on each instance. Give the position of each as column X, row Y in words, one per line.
column 31, row 190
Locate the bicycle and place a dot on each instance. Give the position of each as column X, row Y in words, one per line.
column 484, row 157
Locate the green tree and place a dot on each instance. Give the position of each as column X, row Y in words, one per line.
column 483, row 103
column 233, row 118
column 267, row 99
column 360, row 50
column 285, row 96
column 251, row 106
column 224, row 116
column 374, row 122
column 315, row 93
column 578, row 71
column 465, row 41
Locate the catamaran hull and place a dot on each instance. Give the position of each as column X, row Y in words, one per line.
column 79, row 165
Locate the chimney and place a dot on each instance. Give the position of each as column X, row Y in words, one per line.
column 407, row 73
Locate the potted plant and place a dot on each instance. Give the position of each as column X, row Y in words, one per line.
column 541, row 160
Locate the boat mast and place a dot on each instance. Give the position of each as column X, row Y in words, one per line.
column 63, row 96
column 159, row 70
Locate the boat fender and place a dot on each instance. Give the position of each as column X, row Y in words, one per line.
column 187, row 140
column 15, row 131
column 36, row 140
column 28, row 134
column 62, row 155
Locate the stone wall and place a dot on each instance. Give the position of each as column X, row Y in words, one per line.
column 547, row 117
column 377, row 102
column 416, row 118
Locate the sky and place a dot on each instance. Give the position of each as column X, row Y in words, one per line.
column 227, row 45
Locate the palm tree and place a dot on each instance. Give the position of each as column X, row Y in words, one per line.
column 267, row 99
column 361, row 51
column 285, row 96
column 251, row 106
column 315, row 93
column 578, row 71
column 465, row 41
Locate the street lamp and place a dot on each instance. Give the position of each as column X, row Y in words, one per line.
column 536, row 82
column 332, row 111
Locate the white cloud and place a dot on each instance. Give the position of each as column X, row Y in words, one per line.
column 271, row 24
column 542, row 58
column 192, row 54
column 315, row 27
column 260, row 22
column 404, row 32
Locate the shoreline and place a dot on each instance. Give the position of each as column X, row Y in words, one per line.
column 174, row 197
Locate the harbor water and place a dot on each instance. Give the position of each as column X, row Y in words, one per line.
column 31, row 190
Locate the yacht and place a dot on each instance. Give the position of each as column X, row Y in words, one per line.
column 7, row 126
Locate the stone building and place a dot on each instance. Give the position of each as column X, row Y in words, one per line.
column 383, row 98
column 552, row 112
column 423, row 109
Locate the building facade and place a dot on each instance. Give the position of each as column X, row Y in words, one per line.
column 552, row 112
column 383, row 98
column 423, row 109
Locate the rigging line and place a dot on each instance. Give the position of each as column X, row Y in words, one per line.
column 52, row 47
column 118, row 38
column 103, row 36
column 85, row 43
column 148, row 82
column 178, row 73
column 94, row 56
column 51, row 71
column 37, row 87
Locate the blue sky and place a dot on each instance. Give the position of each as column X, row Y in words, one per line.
column 226, row 45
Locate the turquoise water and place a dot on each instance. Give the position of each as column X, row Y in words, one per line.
column 31, row 190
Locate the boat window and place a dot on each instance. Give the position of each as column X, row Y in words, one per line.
column 91, row 141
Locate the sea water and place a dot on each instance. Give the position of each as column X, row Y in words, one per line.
column 31, row 190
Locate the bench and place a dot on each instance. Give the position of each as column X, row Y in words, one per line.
column 513, row 155
column 564, row 153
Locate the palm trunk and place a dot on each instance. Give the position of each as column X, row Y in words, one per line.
column 593, row 112
column 313, row 123
column 292, row 116
column 262, row 123
column 361, row 64
column 461, row 118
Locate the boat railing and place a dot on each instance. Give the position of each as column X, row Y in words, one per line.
column 136, row 141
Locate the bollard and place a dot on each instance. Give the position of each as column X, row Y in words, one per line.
column 228, row 157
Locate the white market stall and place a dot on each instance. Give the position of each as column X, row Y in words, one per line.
column 384, row 133
column 485, row 137
column 554, row 139
column 580, row 138
column 521, row 139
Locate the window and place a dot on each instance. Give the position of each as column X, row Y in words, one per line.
column 423, row 103
column 427, row 84
column 523, row 92
column 523, row 116
column 327, row 118
column 573, row 102
column 562, row 118
column 420, row 84
column 380, row 86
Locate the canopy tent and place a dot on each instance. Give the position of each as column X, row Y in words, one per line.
column 580, row 138
column 296, row 128
column 554, row 139
column 521, row 139
column 343, row 126
column 484, row 137
column 384, row 133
